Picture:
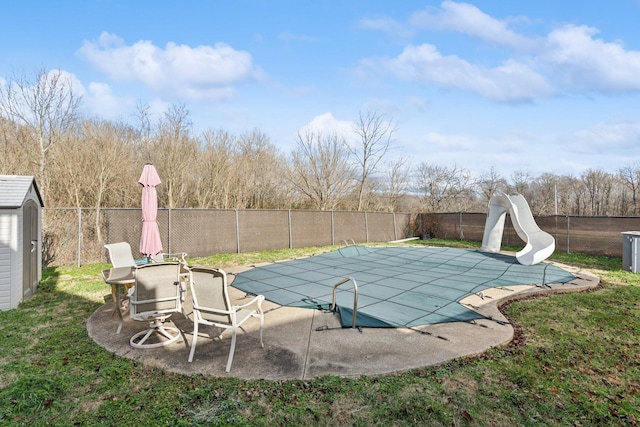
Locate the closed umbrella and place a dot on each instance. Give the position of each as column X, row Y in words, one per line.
column 150, row 243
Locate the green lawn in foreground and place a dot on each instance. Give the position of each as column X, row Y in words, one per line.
column 575, row 361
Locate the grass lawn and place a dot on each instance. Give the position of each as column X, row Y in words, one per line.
column 575, row 360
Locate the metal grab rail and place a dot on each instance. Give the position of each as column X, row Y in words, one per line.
column 355, row 298
column 346, row 245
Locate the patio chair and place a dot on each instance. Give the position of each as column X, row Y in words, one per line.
column 156, row 295
column 211, row 307
column 172, row 257
column 120, row 256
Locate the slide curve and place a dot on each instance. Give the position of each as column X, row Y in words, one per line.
column 539, row 244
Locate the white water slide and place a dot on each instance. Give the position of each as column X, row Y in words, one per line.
column 539, row 244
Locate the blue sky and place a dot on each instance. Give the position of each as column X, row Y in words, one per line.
column 537, row 86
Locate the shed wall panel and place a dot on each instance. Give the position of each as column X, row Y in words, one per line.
column 8, row 223
column 5, row 300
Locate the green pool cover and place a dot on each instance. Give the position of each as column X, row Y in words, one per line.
column 397, row 286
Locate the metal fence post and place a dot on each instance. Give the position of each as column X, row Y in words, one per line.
column 290, row 233
column 237, row 231
column 333, row 231
column 169, row 228
column 568, row 234
column 79, row 236
column 366, row 228
column 395, row 228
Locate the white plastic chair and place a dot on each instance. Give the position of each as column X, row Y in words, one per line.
column 211, row 307
column 120, row 254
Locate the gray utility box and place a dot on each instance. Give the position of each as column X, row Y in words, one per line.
column 631, row 251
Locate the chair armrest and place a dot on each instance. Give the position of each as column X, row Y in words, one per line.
column 234, row 308
column 164, row 257
column 211, row 310
column 178, row 256
column 257, row 299
column 154, row 300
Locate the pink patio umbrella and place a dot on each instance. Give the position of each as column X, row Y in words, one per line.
column 150, row 243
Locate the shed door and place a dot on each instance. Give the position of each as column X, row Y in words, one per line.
column 29, row 249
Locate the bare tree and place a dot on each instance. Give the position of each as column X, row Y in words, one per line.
column 172, row 150
column 376, row 136
column 396, row 183
column 46, row 105
column 578, row 197
column 443, row 188
column 143, row 115
column 565, row 193
column 16, row 149
column 320, row 169
column 630, row 176
column 521, row 182
column 259, row 168
column 543, row 194
column 213, row 182
column 94, row 168
column 599, row 185
column 621, row 203
column 490, row 183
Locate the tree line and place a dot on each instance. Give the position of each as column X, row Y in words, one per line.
column 89, row 162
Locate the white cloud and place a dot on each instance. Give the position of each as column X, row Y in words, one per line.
column 511, row 81
column 388, row 25
column 157, row 107
column 467, row 19
column 326, row 123
column 567, row 59
column 98, row 98
column 202, row 72
column 449, row 142
column 591, row 64
column 101, row 101
column 609, row 137
column 68, row 79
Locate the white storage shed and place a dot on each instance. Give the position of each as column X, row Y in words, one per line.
column 20, row 239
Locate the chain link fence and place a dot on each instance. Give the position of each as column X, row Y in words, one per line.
column 576, row 234
column 78, row 236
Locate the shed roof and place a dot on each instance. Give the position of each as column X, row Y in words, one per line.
column 14, row 190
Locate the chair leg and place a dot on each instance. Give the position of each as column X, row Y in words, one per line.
column 232, row 350
column 114, row 299
column 156, row 328
column 261, row 325
column 195, row 339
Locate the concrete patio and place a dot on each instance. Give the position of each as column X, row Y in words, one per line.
column 306, row 343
